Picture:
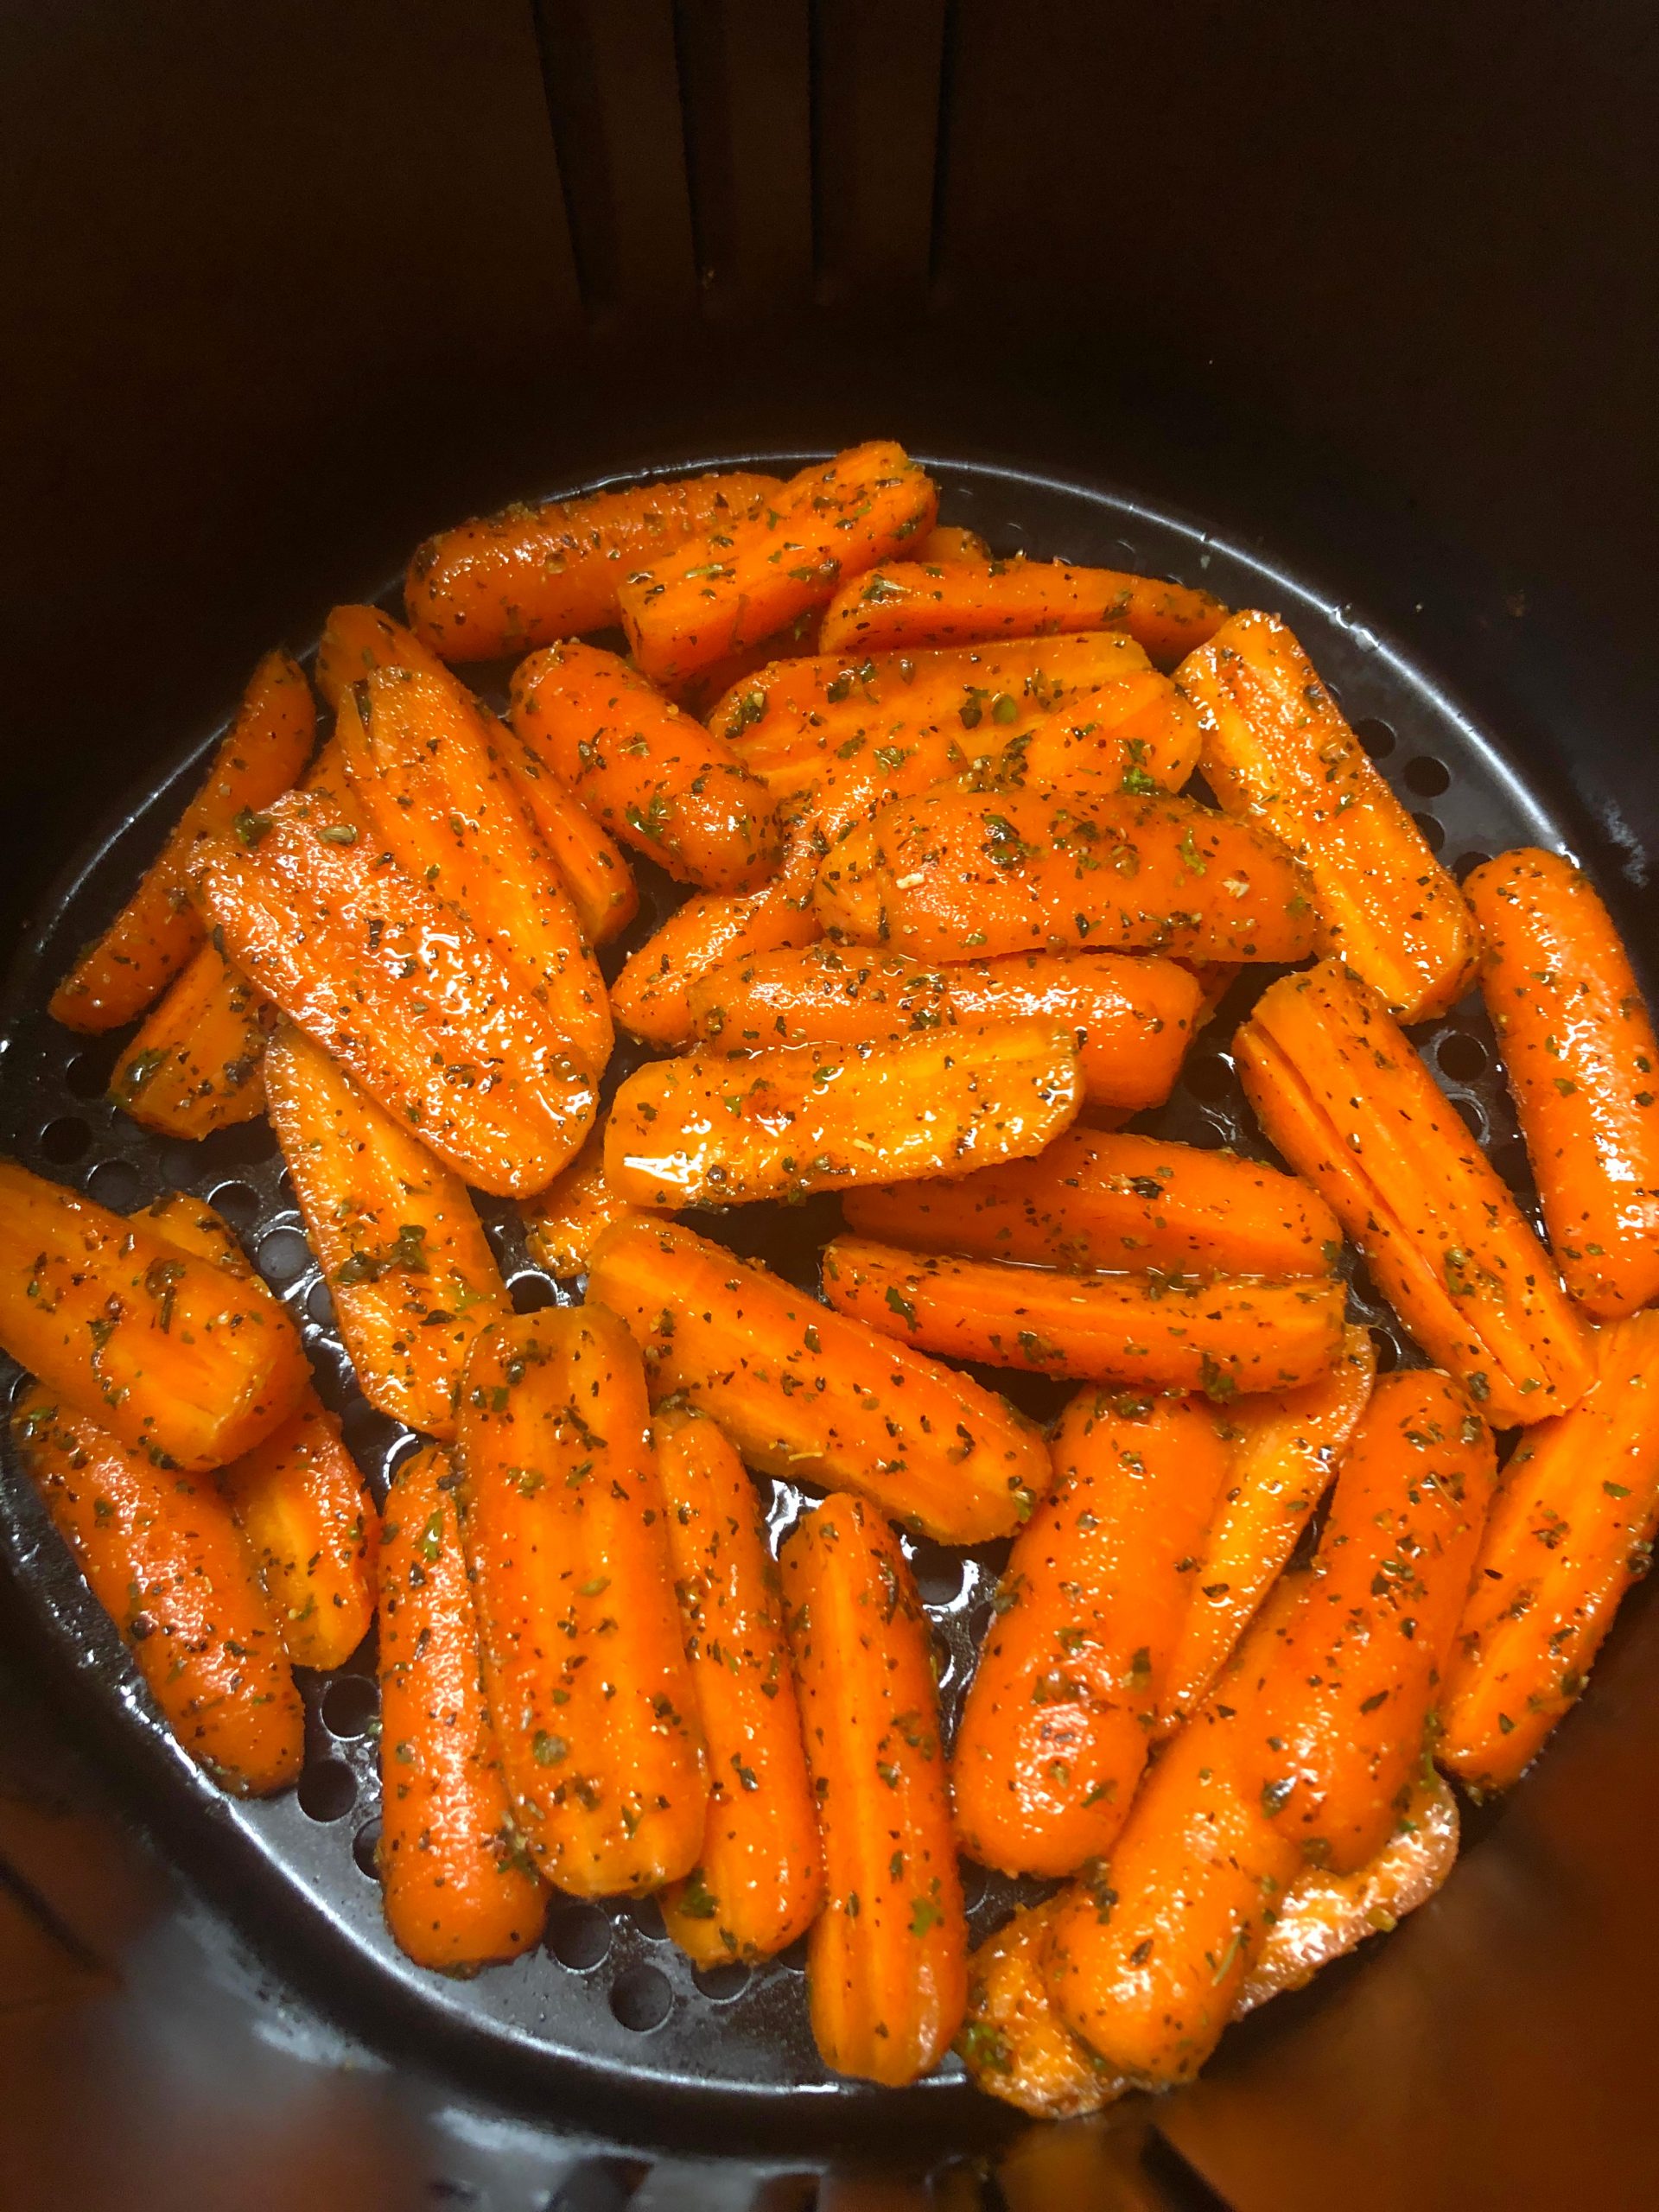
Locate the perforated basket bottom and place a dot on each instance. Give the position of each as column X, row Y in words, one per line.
column 607, row 2007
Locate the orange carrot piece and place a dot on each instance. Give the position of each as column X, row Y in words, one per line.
column 739, row 582
column 1013, row 2042
column 458, row 1889
column 566, row 1221
column 963, row 871
column 1344, row 1096
column 699, row 692
column 1571, row 1530
column 806, row 1394
column 653, row 775
column 759, row 1881
column 1096, row 1200
column 1229, row 1335
column 1054, row 1735
column 357, row 640
column 154, row 936
column 301, row 1504
column 1136, row 733
column 422, row 1013
column 589, row 1685
column 193, row 1226
column 1278, row 751
column 403, row 1253
column 532, row 574
column 906, row 604
column 1578, row 1050
column 947, row 542
column 162, row 1555
column 196, row 1066
column 886, row 1961
column 595, row 873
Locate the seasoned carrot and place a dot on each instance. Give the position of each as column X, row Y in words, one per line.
column 179, row 1358
column 584, row 1657
column 154, row 936
column 1096, row 1200
column 738, row 581
column 949, row 542
column 196, row 1066
column 357, row 640
column 1058, row 1718
column 456, row 1884
column 906, row 604
column 162, row 1555
column 886, row 1961
column 304, row 1508
column 710, row 1130
column 1134, row 733
column 1229, row 1335
column 596, row 876
column 1346, row 1100
column 1278, row 751
column 1578, row 1050
column 564, row 1223
column 1013, row 2042
column 1131, row 1018
column 403, row 1254
column 963, row 871
column 809, row 1395
column 420, row 1010
column 1358, row 1668
column 1284, row 1452
column 195, row 1227
column 651, row 774
column 534, row 573
column 759, row 1881
column 1572, row 1528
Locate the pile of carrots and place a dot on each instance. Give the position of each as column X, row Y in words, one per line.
column 950, row 920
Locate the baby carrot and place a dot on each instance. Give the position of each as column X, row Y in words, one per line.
column 1344, row 1096
column 162, row 1555
column 742, row 580
column 584, row 1657
column 1136, row 733
column 303, row 1506
column 1278, row 751
column 455, row 1881
column 357, row 640
column 596, row 876
column 1572, row 1528
column 886, row 1961
column 154, row 936
column 1013, row 2042
column 1578, row 1050
column 948, row 543
column 193, row 1226
column 403, row 1254
column 759, row 1881
column 196, row 1064
column 809, row 1395
column 1229, row 1335
column 1058, row 1718
column 566, row 1221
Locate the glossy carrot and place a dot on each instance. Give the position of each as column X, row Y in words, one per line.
column 906, row 604
column 584, row 1656
column 710, row 1130
column 697, row 693
column 196, row 1064
column 162, row 1555
column 595, row 873
column 1344, row 1096
column 193, row 1226
column 1013, row 2042
column 759, row 1882
column 740, row 580
column 1572, row 1528
column 1094, row 1200
column 1277, row 751
column 153, row 936
column 311, row 1524
column 1579, row 1050
column 948, row 543
column 552, row 570
column 457, row 1885
column 1136, row 733
column 1230, row 1334
column 566, row 1221
column 402, row 1252
column 357, row 640
column 886, row 1961
column 1131, row 1018
column 1055, row 1732
column 962, row 872
column 424, row 1014
column 806, row 1394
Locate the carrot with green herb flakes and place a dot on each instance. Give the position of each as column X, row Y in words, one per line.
column 1055, row 1732
column 301, row 1504
column 357, row 640
column 742, row 580
column 1346, row 1100
column 812, row 1398
column 947, row 542
column 886, row 1960
column 196, row 1064
column 1228, row 1335
column 457, row 1885
column 759, row 1882
column 402, row 1252
column 1013, row 2042
column 595, row 874
column 1278, row 751
column 162, row 1555
column 156, row 933
column 564, row 1223
column 1578, row 1046
column 1136, row 733
column 1571, row 1530
column 195, row 1227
